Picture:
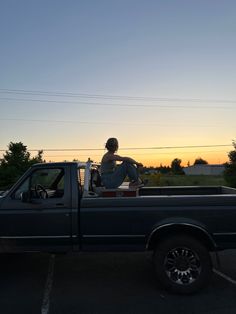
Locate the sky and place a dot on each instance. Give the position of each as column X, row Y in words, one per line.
column 155, row 74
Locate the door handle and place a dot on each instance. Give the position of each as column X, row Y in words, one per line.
column 35, row 202
column 60, row 204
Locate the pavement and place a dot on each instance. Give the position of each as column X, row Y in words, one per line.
column 102, row 283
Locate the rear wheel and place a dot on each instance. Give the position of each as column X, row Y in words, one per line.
column 182, row 264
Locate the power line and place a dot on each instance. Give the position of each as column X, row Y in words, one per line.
column 115, row 104
column 99, row 123
column 125, row 148
column 103, row 96
column 145, row 154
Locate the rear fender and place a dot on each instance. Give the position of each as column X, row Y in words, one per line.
column 191, row 228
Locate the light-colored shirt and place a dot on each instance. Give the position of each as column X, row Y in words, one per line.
column 108, row 166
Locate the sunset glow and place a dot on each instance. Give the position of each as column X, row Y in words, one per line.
column 152, row 74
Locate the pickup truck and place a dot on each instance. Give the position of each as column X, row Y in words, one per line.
column 62, row 207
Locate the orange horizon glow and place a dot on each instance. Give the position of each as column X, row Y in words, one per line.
column 149, row 159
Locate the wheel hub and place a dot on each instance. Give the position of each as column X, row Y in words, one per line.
column 182, row 265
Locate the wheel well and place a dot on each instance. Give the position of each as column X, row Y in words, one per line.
column 170, row 231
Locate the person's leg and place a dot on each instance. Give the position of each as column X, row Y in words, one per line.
column 111, row 182
column 115, row 179
column 131, row 171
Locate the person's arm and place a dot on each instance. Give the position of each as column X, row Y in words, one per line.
column 128, row 159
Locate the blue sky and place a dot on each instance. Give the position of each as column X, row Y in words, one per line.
column 161, row 49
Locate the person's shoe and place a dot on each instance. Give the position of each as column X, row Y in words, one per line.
column 136, row 184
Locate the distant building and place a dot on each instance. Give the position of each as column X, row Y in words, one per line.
column 150, row 170
column 213, row 170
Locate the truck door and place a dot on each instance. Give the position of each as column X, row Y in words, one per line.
column 37, row 214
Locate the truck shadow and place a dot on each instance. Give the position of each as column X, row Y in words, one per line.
column 103, row 283
column 126, row 283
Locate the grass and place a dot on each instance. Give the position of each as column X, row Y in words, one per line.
column 183, row 180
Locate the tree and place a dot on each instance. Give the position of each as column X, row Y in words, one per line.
column 176, row 166
column 164, row 169
column 200, row 161
column 230, row 167
column 15, row 162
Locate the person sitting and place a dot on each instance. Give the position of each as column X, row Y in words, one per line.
column 112, row 176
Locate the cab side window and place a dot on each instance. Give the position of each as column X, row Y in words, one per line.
column 43, row 184
column 24, row 188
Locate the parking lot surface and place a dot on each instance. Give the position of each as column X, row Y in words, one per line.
column 91, row 283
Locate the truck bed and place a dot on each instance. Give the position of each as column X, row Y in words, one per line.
column 124, row 191
column 186, row 190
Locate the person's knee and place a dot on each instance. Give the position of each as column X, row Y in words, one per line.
column 130, row 169
column 131, row 166
column 125, row 164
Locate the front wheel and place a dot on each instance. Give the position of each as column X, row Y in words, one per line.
column 182, row 264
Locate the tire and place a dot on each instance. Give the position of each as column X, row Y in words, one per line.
column 182, row 264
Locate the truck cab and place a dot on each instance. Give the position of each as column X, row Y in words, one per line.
column 36, row 213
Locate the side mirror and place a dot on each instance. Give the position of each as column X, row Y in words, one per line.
column 25, row 197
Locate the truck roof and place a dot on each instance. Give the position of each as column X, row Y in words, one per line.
column 60, row 163
column 64, row 163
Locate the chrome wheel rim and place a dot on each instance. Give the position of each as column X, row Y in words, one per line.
column 182, row 266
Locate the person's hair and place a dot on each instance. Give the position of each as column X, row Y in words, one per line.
column 112, row 144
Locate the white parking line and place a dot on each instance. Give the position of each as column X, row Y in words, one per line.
column 219, row 273
column 48, row 286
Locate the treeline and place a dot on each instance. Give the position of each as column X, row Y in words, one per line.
column 15, row 162
column 175, row 167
